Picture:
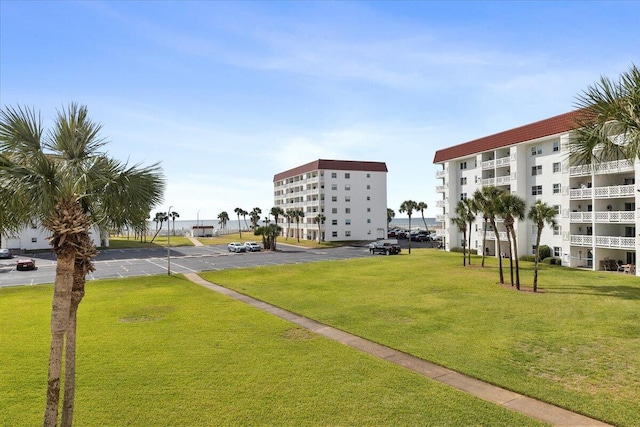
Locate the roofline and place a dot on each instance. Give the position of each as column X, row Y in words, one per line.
column 324, row 164
column 543, row 128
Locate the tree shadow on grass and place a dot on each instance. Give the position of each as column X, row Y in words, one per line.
column 617, row 291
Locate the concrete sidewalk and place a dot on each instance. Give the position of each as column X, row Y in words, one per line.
column 195, row 241
column 508, row 399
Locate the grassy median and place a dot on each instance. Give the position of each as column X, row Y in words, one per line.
column 575, row 344
column 162, row 351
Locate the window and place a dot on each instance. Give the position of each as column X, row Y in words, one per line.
column 556, row 188
column 534, row 249
column 334, row 186
column 463, row 196
column 368, row 187
column 347, row 222
column 334, row 175
column 368, row 198
column 556, row 167
column 347, row 198
column 34, row 240
column 368, row 209
column 347, row 233
column 556, row 146
column 334, row 234
column 347, row 210
column 536, row 190
column 557, row 208
column 334, row 198
column 347, row 187
column 463, row 181
column 347, row 175
column 536, row 151
column 557, row 251
column 536, row 170
column 334, row 222
column 334, row 210
column 557, row 230
column 368, row 220
column 463, row 165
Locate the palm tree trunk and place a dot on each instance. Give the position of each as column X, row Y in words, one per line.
column 470, row 224
column 495, row 231
column 70, row 350
column 509, row 238
column 537, row 259
column 464, row 253
column 515, row 256
column 409, row 235
column 59, row 323
column 484, row 240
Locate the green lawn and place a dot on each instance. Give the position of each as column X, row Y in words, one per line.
column 120, row 242
column 575, row 344
column 162, row 351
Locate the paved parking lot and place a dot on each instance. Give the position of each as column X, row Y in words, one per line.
column 116, row 263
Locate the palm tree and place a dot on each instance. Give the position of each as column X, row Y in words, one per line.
column 422, row 206
column 408, row 206
column 482, row 206
column 510, row 208
column 465, row 212
column 461, row 223
column 269, row 233
column 288, row 217
column 173, row 216
column 276, row 212
column 160, row 218
column 609, row 120
column 390, row 215
column 296, row 215
column 238, row 212
column 319, row 219
column 64, row 181
column 223, row 218
column 490, row 197
column 254, row 216
column 540, row 213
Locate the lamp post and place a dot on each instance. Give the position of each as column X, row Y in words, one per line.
column 198, row 218
column 168, row 244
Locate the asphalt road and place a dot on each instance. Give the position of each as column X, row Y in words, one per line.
column 116, row 263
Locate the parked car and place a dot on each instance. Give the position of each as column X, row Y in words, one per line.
column 5, row 253
column 25, row 264
column 382, row 247
column 236, row 247
column 420, row 237
column 252, row 247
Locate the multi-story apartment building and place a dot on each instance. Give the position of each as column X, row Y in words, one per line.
column 352, row 196
column 595, row 204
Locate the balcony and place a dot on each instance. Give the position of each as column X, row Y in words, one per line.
column 581, row 240
column 489, row 164
column 614, row 242
column 441, row 173
column 441, row 188
column 616, row 216
column 503, row 161
column 503, row 180
column 492, row 236
column 441, row 203
column 489, row 182
column 616, row 166
column 603, row 192
column 581, row 216
column 440, row 218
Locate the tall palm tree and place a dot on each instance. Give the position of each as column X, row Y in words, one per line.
column 173, row 216
column 461, row 223
column 289, row 218
column 540, row 213
column 422, row 206
column 238, row 212
column 297, row 215
column 319, row 219
column 609, row 120
column 276, row 212
column 64, row 181
column 254, row 216
column 408, row 207
column 223, row 218
column 160, row 218
column 464, row 210
column 390, row 215
column 482, row 206
column 512, row 208
column 491, row 196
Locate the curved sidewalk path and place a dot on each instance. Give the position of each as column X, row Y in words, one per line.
column 508, row 399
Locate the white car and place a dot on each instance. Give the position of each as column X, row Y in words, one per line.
column 5, row 253
column 236, row 247
column 252, row 247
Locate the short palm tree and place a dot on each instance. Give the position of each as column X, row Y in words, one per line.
column 461, row 224
column 464, row 210
column 408, row 207
column 297, row 215
column 540, row 213
column 64, row 181
column 254, row 216
column 173, row 216
column 276, row 212
column 390, row 215
column 608, row 121
column 223, row 218
column 512, row 208
column 319, row 219
column 238, row 212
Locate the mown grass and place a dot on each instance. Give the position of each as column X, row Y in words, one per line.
column 248, row 236
column 575, row 344
column 161, row 351
column 119, row 242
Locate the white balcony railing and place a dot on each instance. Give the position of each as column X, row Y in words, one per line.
column 615, row 191
column 440, row 218
column 616, row 242
column 616, row 216
column 492, row 235
column 441, row 188
column 504, row 161
column 581, row 216
column 441, row 203
column 487, row 182
column 581, row 240
column 615, row 166
column 503, row 180
column 489, row 164
column 581, row 193
column 441, row 173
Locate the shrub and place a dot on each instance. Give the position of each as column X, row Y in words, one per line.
column 530, row 258
column 459, row 249
column 544, row 251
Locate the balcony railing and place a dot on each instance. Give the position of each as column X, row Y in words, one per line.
column 440, row 218
column 581, row 240
column 492, row 236
column 615, row 166
column 441, row 173
column 489, row 164
column 487, row 182
column 441, row 203
column 581, row 193
column 503, row 161
column 503, row 180
column 441, row 188
column 581, row 216
column 616, row 242
column 615, row 191
column 616, row 216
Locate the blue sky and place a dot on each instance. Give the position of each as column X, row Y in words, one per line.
column 227, row 94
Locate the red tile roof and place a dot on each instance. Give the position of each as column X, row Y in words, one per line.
column 322, row 164
column 551, row 126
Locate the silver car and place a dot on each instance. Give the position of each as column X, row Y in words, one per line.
column 252, row 247
column 5, row 253
column 236, row 247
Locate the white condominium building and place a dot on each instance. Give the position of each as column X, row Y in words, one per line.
column 595, row 205
column 352, row 196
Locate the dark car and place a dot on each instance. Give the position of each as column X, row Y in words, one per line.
column 5, row 253
column 25, row 264
column 420, row 237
